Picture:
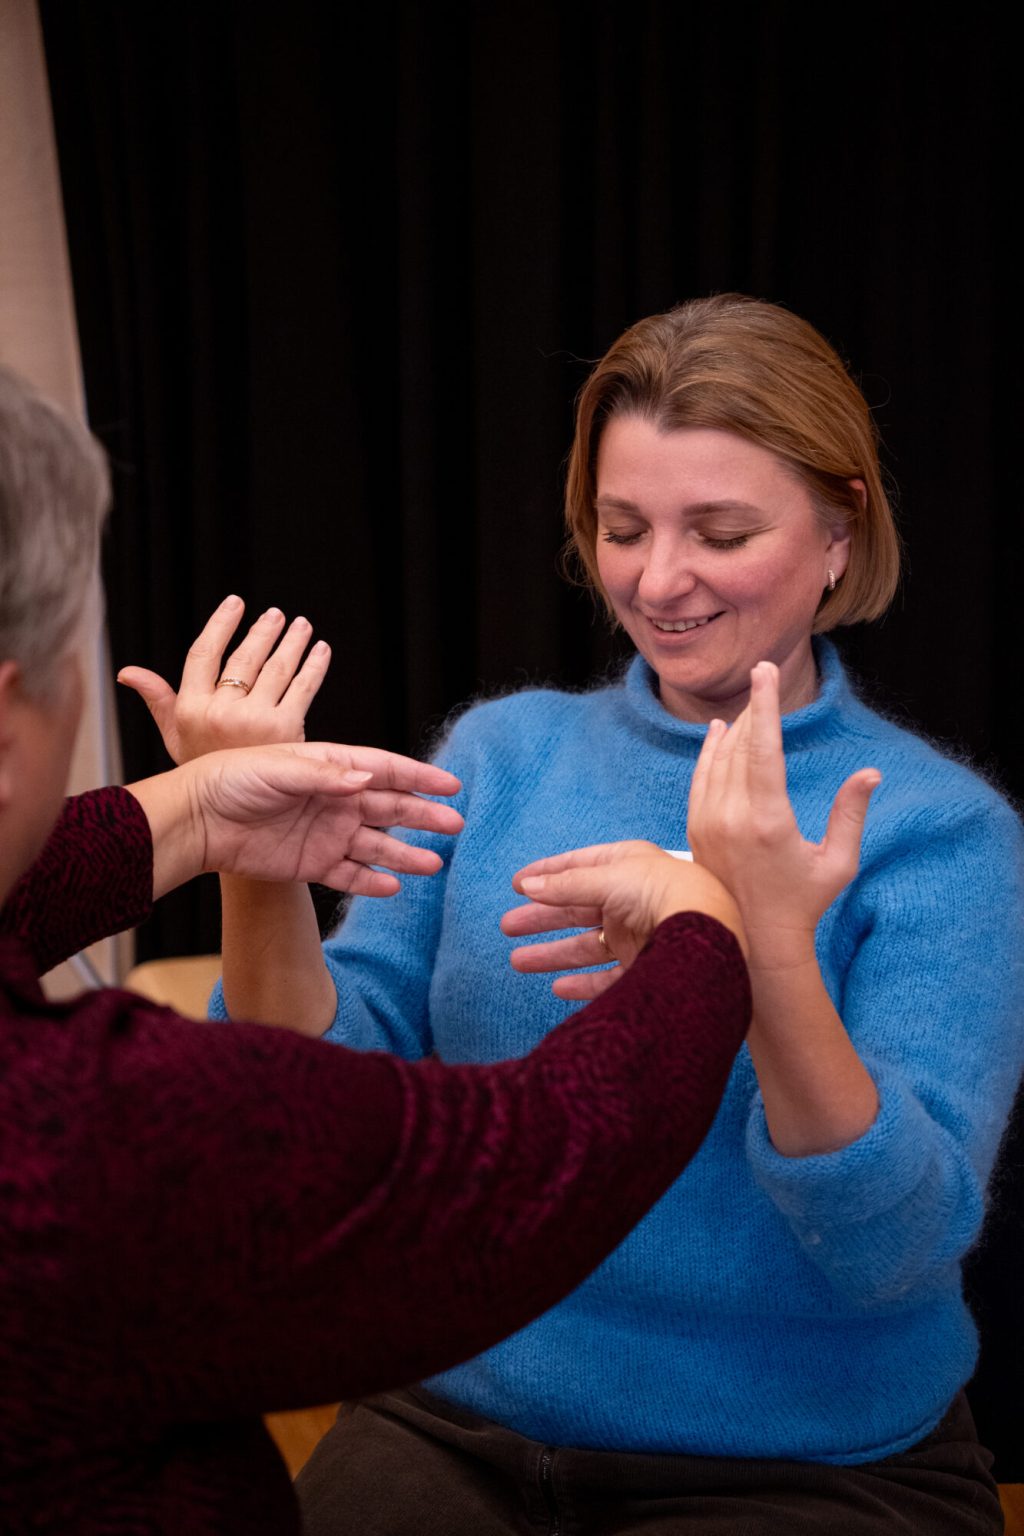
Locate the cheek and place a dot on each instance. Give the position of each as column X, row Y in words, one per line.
column 787, row 578
column 616, row 570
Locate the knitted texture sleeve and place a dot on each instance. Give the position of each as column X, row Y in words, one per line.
column 302, row 1185
column 93, row 877
column 931, row 1001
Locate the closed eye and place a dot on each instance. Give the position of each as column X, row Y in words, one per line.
column 734, row 543
column 620, row 538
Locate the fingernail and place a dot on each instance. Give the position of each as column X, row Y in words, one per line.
column 533, row 883
column 320, row 649
column 273, row 613
column 233, row 601
column 356, row 776
column 300, row 623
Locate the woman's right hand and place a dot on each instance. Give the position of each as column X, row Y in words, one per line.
column 208, row 713
column 623, row 889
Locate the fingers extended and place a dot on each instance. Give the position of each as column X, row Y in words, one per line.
column 281, row 664
column 767, row 765
column 202, row 664
column 362, row 881
column 369, row 846
column 246, row 660
column 846, row 820
column 305, row 685
column 580, row 949
column 393, row 771
column 584, row 988
column 387, row 808
column 575, row 858
column 531, row 918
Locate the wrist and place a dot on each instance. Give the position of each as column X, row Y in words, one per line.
column 711, row 900
column 172, row 808
column 778, row 950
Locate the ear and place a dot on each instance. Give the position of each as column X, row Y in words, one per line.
column 837, row 550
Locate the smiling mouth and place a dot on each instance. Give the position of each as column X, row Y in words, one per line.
column 680, row 626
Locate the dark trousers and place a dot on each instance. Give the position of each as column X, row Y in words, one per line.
column 408, row 1464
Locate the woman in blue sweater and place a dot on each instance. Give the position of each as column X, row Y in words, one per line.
column 782, row 1343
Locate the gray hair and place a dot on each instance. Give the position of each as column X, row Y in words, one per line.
column 54, row 495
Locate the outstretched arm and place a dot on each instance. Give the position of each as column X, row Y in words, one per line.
column 273, row 964
column 311, row 811
column 338, row 1174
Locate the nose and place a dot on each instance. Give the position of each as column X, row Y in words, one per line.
column 667, row 575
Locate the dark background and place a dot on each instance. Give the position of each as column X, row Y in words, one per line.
column 339, row 275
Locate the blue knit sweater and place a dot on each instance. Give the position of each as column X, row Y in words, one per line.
column 807, row 1308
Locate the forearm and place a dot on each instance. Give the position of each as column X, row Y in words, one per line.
column 818, row 1095
column 92, row 878
column 274, row 968
column 176, row 826
column 498, row 1187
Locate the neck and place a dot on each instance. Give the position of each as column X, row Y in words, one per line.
column 798, row 686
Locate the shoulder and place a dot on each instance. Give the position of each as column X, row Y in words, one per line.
column 527, row 724
column 928, row 777
column 933, row 807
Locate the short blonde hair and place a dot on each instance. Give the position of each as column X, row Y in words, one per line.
column 740, row 365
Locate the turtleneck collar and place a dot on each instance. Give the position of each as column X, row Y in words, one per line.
column 802, row 729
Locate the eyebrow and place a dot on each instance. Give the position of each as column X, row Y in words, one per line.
column 697, row 509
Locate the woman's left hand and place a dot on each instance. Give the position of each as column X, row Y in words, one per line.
column 741, row 826
column 617, row 893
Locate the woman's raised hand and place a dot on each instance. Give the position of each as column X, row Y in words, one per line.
column 259, row 695
column 617, row 893
column 742, row 827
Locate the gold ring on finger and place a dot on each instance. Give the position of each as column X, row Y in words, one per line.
column 234, row 682
column 604, row 944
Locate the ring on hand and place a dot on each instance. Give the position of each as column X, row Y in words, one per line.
column 604, row 944
column 234, row 682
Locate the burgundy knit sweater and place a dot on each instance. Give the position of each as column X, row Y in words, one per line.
column 200, row 1223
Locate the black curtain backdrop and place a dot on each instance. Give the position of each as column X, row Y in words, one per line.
column 339, row 274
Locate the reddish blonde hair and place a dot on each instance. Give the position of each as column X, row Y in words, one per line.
column 740, row 365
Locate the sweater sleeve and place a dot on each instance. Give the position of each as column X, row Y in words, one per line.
column 334, row 1222
column 933, row 1000
column 93, row 877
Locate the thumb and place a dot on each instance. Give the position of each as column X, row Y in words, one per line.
column 159, row 698
column 846, row 819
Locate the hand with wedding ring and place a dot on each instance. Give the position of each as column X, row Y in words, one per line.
column 617, row 893
column 258, row 696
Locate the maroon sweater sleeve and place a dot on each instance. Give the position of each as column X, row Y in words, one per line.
column 218, row 1220
column 267, row 1220
column 94, row 877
